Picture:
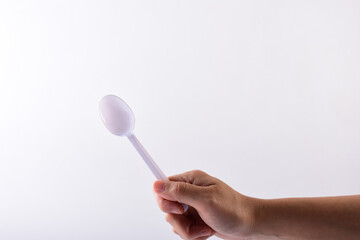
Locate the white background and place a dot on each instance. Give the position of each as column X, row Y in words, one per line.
column 264, row 95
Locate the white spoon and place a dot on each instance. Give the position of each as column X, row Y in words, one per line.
column 119, row 120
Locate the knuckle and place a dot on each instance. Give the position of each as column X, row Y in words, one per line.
column 167, row 218
column 179, row 189
column 197, row 172
column 187, row 234
column 162, row 204
column 184, row 236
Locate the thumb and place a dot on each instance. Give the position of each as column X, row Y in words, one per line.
column 180, row 191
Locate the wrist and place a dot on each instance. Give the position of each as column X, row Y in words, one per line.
column 256, row 220
column 249, row 215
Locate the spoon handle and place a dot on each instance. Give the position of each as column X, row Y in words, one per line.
column 149, row 161
column 147, row 158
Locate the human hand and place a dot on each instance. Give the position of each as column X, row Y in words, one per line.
column 214, row 207
column 217, row 209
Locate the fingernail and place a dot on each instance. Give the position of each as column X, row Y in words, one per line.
column 175, row 211
column 159, row 186
column 205, row 232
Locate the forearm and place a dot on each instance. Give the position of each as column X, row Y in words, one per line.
column 325, row 218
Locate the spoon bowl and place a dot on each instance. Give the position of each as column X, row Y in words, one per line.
column 116, row 115
column 120, row 121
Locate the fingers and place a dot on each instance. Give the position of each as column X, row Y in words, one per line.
column 193, row 188
column 186, row 230
column 181, row 192
column 169, row 206
column 195, row 177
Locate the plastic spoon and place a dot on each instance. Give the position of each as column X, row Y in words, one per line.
column 120, row 121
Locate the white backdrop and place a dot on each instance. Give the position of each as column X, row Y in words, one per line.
column 264, row 95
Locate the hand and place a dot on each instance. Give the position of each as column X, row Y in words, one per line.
column 217, row 209
column 214, row 207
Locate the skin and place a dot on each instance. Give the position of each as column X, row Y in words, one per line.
column 217, row 209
